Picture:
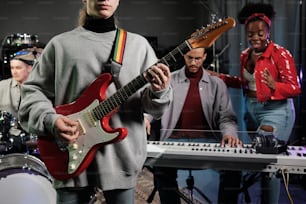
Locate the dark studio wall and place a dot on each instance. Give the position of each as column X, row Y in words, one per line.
column 170, row 21
column 44, row 18
column 166, row 23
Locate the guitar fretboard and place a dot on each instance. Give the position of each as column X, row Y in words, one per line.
column 114, row 101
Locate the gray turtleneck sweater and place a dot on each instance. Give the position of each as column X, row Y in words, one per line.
column 68, row 64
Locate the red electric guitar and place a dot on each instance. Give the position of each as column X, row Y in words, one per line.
column 93, row 110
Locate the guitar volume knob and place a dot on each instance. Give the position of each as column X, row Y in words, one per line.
column 74, row 157
column 72, row 166
column 74, row 146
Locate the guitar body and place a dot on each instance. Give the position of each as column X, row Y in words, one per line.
column 71, row 162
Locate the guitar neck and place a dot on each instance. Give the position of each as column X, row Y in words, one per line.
column 171, row 58
column 114, row 101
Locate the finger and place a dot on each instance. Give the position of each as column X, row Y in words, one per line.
column 67, row 129
column 267, row 72
column 157, row 79
column 232, row 142
column 69, row 136
column 223, row 141
column 235, row 143
column 240, row 143
column 70, row 122
column 153, row 74
column 158, row 71
column 164, row 69
column 149, row 130
column 149, row 75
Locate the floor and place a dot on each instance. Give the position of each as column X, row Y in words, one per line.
column 145, row 187
column 296, row 190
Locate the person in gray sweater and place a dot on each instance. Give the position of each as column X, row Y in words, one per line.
column 12, row 138
column 21, row 66
column 70, row 62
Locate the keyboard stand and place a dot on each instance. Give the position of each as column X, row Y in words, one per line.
column 190, row 187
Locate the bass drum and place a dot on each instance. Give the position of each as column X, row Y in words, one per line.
column 24, row 179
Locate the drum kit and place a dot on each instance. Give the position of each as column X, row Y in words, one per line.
column 21, row 170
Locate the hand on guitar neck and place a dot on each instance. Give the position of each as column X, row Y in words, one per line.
column 158, row 76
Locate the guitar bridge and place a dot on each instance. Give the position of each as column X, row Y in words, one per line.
column 81, row 128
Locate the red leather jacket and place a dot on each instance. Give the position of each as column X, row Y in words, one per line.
column 280, row 64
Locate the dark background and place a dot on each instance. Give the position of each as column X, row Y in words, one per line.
column 166, row 23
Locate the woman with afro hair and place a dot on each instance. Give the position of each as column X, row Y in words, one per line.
column 269, row 81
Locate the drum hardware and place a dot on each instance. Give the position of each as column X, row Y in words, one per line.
column 13, row 143
column 31, row 144
column 6, row 122
column 6, row 143
column 13, row 139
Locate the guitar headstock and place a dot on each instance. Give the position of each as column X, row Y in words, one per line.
column 206, row 36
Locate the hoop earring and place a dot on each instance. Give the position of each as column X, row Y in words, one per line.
column 267, row 42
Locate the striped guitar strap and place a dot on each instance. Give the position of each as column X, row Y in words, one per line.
column 117, row 52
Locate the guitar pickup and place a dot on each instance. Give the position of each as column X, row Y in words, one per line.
column 91, row 119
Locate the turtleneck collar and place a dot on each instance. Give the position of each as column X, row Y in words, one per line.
column 99, row 25
column 196, row 75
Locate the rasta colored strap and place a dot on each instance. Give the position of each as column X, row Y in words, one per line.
column 119, row 45
column 116, row 56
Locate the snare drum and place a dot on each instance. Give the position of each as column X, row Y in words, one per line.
column 24, row 179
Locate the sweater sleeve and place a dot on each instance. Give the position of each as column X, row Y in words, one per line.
column 37, row 94
column 227, row 120
column 155, row 103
